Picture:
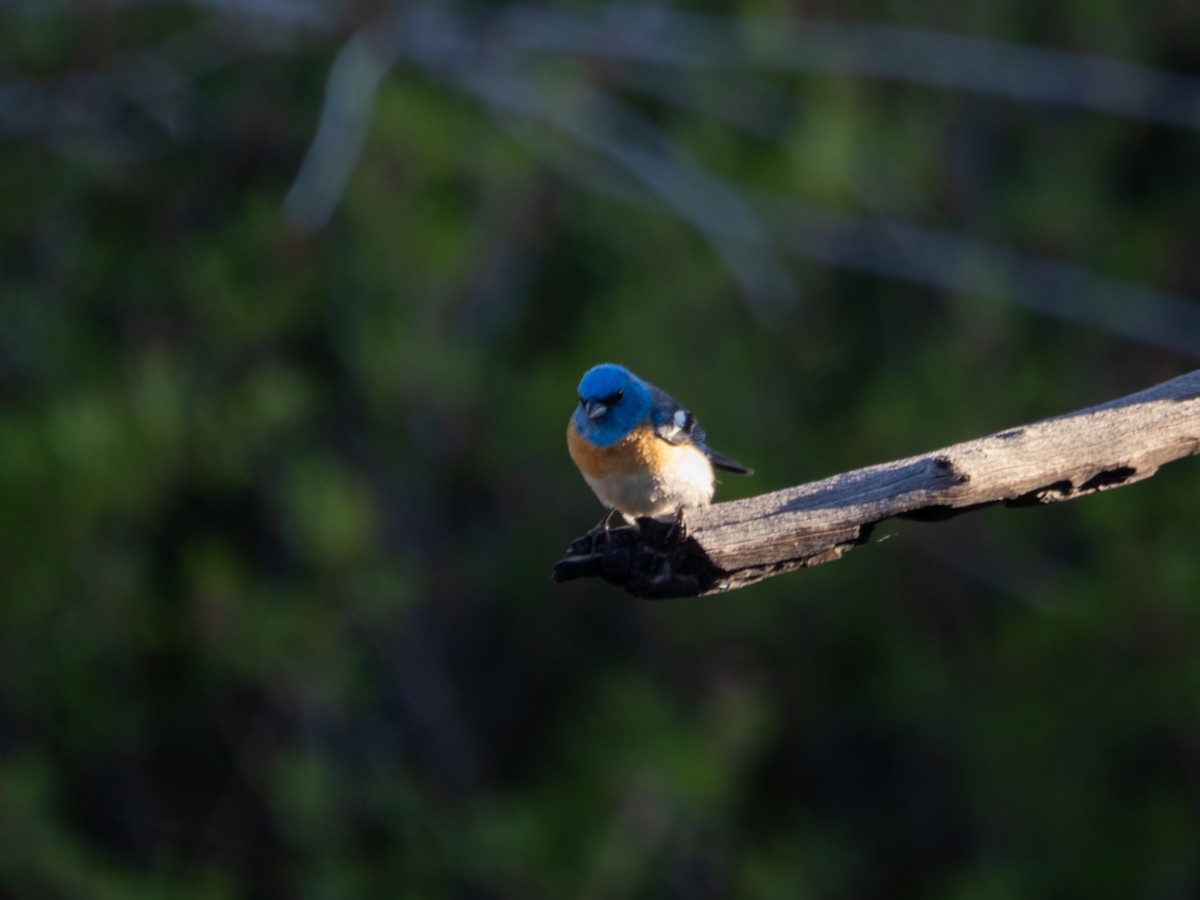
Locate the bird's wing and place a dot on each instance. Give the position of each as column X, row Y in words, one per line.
column 676, row 425
column 672, row 422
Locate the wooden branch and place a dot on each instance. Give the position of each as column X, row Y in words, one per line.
column 730, row 545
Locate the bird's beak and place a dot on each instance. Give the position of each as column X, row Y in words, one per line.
column 594, row 409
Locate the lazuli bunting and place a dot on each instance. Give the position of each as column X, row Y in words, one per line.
column 640, row 451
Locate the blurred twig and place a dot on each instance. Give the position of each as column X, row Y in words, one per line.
column 345, row 117
column 304, row 13
column 157, row 80
column 716, row 208
column 961, row 62
column 962, row 264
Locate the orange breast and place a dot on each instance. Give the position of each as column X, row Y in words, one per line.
column 640, row 451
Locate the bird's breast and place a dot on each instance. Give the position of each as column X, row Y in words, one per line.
column 638, row 451
column 641, row 474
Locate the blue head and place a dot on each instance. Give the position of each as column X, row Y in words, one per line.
column 612, row 400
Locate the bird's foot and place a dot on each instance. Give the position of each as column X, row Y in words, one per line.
column 599, row 535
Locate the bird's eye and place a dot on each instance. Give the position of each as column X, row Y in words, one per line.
column 613, row 399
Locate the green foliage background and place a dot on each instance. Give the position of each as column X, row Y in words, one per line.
column 278, row 506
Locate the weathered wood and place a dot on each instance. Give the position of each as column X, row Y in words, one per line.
column 730, row 545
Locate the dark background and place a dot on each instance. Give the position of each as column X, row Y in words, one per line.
column 294, row 298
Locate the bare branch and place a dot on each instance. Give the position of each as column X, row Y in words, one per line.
column 734, row 544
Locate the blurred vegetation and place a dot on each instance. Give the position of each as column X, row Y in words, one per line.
column 282, row 466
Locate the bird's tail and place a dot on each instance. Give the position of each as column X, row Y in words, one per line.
column 727, row 463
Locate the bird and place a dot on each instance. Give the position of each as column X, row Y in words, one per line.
column 641, row 452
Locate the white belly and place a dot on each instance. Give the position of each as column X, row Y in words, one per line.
column 684, row 479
